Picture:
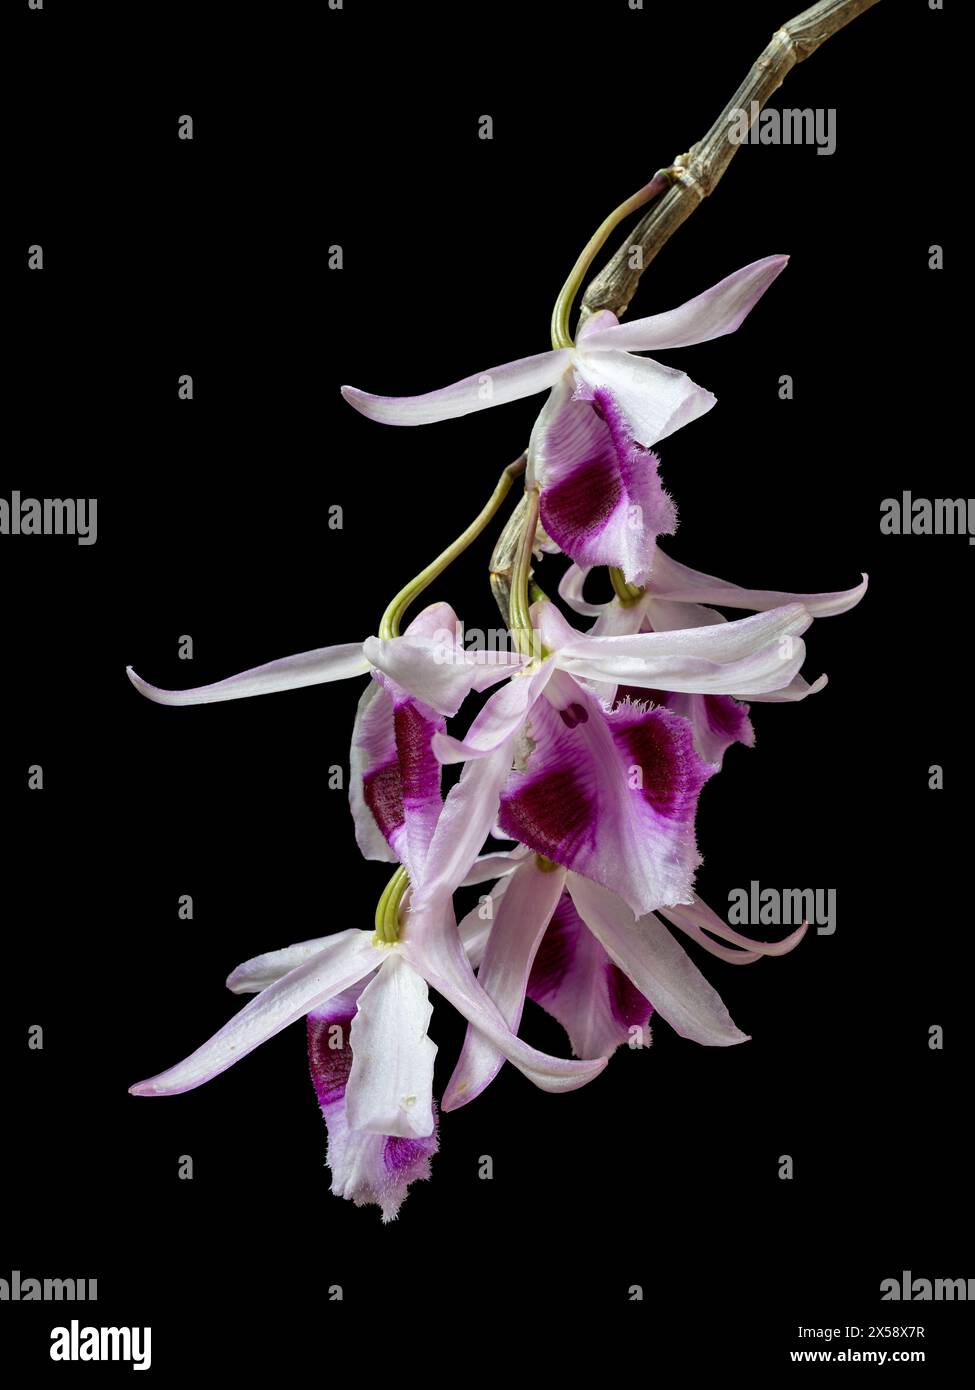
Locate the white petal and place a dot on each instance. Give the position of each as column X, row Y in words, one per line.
column 390, row 1088
column 260, row 971
column 658, row 967
column 747, row 657
column 288, row 673
column 344, row 959
column 717, row 311
column 496, row 386
column 656, row 400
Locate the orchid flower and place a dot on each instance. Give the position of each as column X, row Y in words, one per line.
column 602, row 501
column 382, row 1124
column 379, row 993
column 611, row 794
column 674, row 598
column 573, row 947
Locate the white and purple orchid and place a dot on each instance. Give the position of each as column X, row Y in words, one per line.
column 602, row 500
column 590, row 755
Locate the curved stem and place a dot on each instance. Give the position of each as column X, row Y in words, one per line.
column 561, row 337
column 519, row 620
column 393, row 616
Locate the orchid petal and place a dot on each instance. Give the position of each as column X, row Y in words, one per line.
column 468, row 814
column 390, row 1087
column 797, row 689
column 575, row 981
column 499, row 720
column 656, row 965
column 747, row 657
column 496, row 865
column 523, row 914
column 260, row 971
column 436, row 669
column 610, row 794
column 718, row 721
column 373, row 767
column 571, row 587
column 344, row 959
column 288, row 673
column 438, row 954
column 366, row 1168
column 602, row 500
column 698, row 914
column 718, row 310
column 395, row 778
column 654, row 400
column 672, row 580
column 511, row 382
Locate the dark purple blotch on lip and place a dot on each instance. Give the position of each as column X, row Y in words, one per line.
column 630, row 1008
column 661, row 744
column 383, row 793
column 554, row 955
column 551, row 813
column 419, row 768
column 329, row 1057
column 411, row 778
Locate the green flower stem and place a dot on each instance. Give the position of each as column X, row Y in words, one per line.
column 391, row 619
column 626, row 593
column 561, row 337
column 520, row 623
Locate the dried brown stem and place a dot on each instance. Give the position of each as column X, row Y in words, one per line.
column 697, row 173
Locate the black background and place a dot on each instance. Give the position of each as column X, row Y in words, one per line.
column 165, row 257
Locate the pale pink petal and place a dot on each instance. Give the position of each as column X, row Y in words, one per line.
column 469, row 813
column 797, row 689
column 436, row 951
column 344, row 959
column 497, row 386
column 522, row 915
column 656, row 965
column 698, row 914
column 496, row 865
column 499, row 720
column 716, row 311
column 260, row 971
column 436, row 669
column 571, row 587
column 289, row 673
column 748, row 657
column 672, row 580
